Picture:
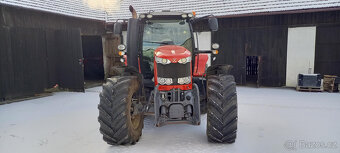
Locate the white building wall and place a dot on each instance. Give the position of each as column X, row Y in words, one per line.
column 300, row 53
column 204, row 42
column 124, row 33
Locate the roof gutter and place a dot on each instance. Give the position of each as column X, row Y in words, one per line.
column 314, row 10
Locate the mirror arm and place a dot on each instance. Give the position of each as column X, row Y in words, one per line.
column 194, row 20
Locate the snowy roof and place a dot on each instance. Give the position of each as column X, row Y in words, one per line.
column 220, row 7
column 78, row 8
column 111, row 10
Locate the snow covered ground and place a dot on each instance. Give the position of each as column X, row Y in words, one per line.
column 271, row 120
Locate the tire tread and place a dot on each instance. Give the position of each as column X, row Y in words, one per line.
column 221, row 109
column 112, row 117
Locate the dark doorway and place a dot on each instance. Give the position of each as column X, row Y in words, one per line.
column 93, row 60
column 252, row 70
column 327, row 50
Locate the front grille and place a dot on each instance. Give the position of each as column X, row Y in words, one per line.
column 174, row 71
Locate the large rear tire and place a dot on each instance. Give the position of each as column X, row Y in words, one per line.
column 221, row 109
column 203, row 105
column 118, row 124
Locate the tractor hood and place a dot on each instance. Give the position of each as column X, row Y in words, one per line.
column 172, row 52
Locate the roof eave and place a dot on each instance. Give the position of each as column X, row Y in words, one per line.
column 313, row 10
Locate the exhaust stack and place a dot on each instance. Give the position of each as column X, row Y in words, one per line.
column 133, row 11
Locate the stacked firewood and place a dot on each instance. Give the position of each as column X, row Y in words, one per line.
column 329, row 83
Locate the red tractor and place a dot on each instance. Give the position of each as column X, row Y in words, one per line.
column 165, row 75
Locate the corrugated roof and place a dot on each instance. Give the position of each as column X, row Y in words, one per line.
column 111, row 10
column 221, row 7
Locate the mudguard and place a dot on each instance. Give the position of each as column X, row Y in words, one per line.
column 219, row 69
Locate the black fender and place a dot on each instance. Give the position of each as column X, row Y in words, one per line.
column 219, row 69
column 124, row 71
column 130, row 71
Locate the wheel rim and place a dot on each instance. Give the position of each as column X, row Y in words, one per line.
column 134, row 118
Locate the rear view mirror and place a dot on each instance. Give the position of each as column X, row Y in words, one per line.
column 117, row 29
column 213, row 24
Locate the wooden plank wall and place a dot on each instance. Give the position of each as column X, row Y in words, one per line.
column 31, row 46
column 70, row 57
column 52, row 63
column 297, row 19
column 5, row 62
column 22, row 17
column 327, row 52
column 23, row 62
column 32, row 60
column 269, row 43
column 266, row 36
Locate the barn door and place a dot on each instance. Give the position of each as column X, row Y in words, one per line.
column 70, row 64
column 300, row 53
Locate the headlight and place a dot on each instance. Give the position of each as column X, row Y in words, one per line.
column 163, row 81
column 215, row 46
column 149, row 16
column 121, row 47
column 122, row 60
column 162, row 60
column 184, row 16
column 142, row 16
column 190, row 15
column 184, row 80
column 184, row 60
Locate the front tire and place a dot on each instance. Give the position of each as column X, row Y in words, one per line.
column 221, row 109
column 118, row 124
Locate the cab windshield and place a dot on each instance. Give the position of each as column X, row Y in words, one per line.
column 164, row 32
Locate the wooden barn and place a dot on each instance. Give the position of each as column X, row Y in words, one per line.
column 40, row 49
column 271, row 49
column 44, row 43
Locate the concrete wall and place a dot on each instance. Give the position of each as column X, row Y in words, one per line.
column 300, row 53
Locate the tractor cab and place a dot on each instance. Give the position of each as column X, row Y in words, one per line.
column 165, row 48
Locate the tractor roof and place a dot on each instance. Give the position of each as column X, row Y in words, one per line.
column 166, row 14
